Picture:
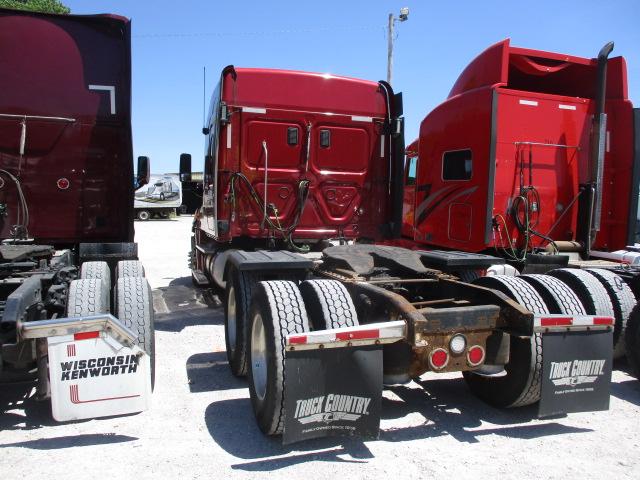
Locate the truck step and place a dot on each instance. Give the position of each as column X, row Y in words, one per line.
column 200, row 278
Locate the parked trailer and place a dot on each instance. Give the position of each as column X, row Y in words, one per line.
column 75, row 307
column 534, row 157
column 301, row 179
column 161, row 197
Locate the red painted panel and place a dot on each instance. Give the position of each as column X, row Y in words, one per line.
column 348, row 178
column 281, row 155
column 486, row 70
column 307, row 91
column 48, row 64
column 618, row 168
column 349, row 150
column 462, row 122
column 460, row 219
column 555, row 171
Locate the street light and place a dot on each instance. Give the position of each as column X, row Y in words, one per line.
column 403, row 17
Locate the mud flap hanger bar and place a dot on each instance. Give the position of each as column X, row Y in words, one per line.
column 565, row 323
column 370, row 334
column 70, row 326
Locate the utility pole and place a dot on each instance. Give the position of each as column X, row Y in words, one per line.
column 404, row 16
column 390, row 49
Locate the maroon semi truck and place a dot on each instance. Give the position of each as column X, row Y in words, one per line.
column 300, row 226
column 75, row 308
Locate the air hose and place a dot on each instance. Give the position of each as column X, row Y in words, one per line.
column 20, row 229
column 286, row 232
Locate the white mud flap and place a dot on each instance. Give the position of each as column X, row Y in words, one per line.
column 93, row 375
column 576, row 368
column 332, row 392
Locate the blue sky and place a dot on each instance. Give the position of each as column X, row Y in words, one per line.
column 172, row 41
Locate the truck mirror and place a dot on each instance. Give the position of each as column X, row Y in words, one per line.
column 185, row 167
column 205, row 130
column 144, row 171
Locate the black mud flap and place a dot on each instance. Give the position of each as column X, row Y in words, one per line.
column 332, row 392
column 576, row 372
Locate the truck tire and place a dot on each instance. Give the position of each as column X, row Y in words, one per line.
column 632, row 341
column 277, row 310
column 129, row 268
column 520, row 385
column 589, row 290
column 143, row 215
column 623, row 301
column 557, row 295
column 89, row 296
column 96, row 270
column 467, row 276
column 328, row 304
column 134, row 308
column 239, row 288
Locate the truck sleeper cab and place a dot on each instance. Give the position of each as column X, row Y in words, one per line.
column 508, row 161
column 75, row 307
column 534, row 157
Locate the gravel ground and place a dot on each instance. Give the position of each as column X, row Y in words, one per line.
column 201, row 424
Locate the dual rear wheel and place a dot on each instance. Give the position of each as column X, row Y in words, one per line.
column 132, row 300
column 562, row 291
column 280, row 308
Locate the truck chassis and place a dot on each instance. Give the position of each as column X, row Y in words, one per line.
column 385, row 314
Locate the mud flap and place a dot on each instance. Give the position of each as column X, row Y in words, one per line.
column 576, row 372
column 93, row 375
column 333, row 392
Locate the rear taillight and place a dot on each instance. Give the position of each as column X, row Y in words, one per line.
column 475, row 355
column 63, row 183
column 438, row 359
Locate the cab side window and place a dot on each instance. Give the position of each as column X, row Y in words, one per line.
column 411, row 167
column 457, row 165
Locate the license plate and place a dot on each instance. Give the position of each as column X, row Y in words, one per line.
column 576, row 372
column 93, row 375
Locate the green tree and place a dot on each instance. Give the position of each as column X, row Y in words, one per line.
column 48, row 6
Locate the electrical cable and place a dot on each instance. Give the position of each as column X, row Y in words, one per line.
column 286, row 232
column 244, row 33
column 22, row 216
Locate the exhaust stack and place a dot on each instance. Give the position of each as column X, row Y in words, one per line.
column 592, row 191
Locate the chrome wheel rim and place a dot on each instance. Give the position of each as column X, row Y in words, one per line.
column 232, row 329
column 259, row 357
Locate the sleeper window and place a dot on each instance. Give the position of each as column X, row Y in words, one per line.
column 457, row 165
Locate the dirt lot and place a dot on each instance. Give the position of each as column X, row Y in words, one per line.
column 201, row 424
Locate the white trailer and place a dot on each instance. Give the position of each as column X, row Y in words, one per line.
column 160, row 197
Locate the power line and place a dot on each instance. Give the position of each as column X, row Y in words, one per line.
column 260, row 33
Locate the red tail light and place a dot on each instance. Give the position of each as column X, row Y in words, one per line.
column 63, row 183
column 439, row 358
column 475, row 355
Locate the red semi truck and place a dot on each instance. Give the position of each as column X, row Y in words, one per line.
column 301, row 225
column 75, row 308
column 536, row 152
